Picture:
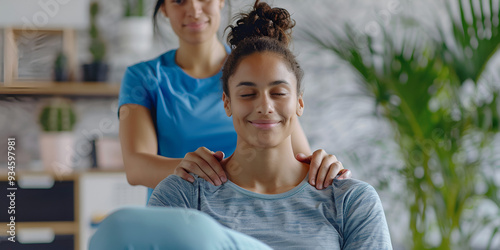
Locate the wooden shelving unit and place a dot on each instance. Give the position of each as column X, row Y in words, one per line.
column 57, row 227
column 11, row 51
column 62, row 88
column 74, row 227
column 12, row 85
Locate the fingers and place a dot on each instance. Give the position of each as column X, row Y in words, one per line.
column 192, row 163
column 335, row 168
column 316, row 159
column 215, row 170
column 184, row 174
column 210, row 165
column 219, row 155
column 205, row 164
column 327, row 163
column 303, row 158
column 344, row 174
column 324, row 168
column 318, row 169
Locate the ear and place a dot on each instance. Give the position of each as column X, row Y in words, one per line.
column 227, row 104
column 300, row 105
column 163, row 9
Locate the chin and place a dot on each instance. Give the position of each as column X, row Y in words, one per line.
column 266, row 144
column 198, row 37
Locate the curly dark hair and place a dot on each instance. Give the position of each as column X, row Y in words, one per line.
column 263, row 29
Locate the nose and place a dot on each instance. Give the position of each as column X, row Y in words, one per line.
column 265, row 105
column 194, row 8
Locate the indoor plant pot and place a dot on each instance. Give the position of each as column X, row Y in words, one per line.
column 136, row 29
column 97, row 69
column 56, row 139
column 56, row 151
column 61, row 69
column 95, row 72
column 136, row 34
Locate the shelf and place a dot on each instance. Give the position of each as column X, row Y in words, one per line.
column 58, row 227
column 61, row 88
column 65, row 177
column 14, row 36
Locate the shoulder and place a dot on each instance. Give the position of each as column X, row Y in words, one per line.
column 352, row 187
column 352, row 193
column 364, row 223
column 205, row 186
column 165, row 59
column 173, row 191
column 175, row 182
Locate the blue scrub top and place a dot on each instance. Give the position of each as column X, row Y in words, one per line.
column 187, row 112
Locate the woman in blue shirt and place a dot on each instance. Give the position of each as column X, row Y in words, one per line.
column 171, row 113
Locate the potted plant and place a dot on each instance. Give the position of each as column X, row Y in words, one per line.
column 97, row 70
column 136, row 29
column 61, row 71
column 421, row 85
column 57, row 120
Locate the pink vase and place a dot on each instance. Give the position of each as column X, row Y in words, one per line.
column 56, row 151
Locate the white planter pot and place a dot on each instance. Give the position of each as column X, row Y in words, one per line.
column 56, row 151
column 109, row 153
column 136, row 34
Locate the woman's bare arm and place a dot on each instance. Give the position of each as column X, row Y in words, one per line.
column 140, row 147
column 299, row 140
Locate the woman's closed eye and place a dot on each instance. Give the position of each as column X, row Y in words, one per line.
column 273, row 94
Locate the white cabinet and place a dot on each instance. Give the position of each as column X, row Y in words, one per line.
column 101, row 194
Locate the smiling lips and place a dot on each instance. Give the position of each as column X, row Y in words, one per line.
column 264, row 124
column 196, row 25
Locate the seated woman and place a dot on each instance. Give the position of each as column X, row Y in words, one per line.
column 267, row 195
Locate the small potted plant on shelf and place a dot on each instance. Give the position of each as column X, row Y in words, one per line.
column 57, row 120
column 61, row 70
column 97, row 70
column 136, row 29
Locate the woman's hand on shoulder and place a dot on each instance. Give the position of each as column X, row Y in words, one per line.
column 324, row 168
column 205, row 164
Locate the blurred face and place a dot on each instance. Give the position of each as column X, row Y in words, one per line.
column 194, row 21
column 263, row 100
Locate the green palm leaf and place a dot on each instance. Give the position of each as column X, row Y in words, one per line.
column 417, row 81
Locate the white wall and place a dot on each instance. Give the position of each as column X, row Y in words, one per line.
column 44, row 13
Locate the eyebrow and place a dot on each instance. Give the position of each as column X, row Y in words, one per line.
column 251, row 84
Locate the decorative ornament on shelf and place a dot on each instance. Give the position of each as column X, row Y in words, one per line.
column 57, row 120
column 61, row 68
column 136, row 29
column 97, row 70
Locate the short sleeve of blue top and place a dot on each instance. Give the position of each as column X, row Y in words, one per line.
column 187, row 112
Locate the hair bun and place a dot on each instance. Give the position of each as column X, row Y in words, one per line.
column 262, row 21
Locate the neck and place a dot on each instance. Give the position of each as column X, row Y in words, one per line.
column 201, row 60
column 265, row 170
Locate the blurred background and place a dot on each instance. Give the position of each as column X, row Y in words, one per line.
column 404, row 93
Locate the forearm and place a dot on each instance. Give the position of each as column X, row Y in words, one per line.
column 148, row 169
column 299, row 140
